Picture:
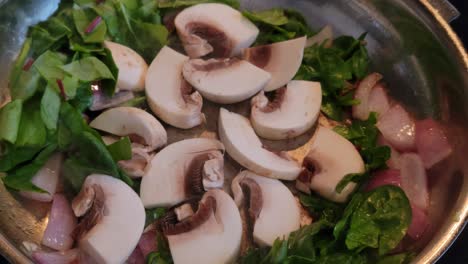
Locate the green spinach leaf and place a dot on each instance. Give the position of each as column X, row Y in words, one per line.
column 88, row 25
column 121, row 150
column 32, row 130
column 50, row 108
column 10, row 117
column 380, row 221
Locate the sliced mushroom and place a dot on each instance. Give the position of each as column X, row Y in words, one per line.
column 330, row 159
column 47, row 178
column 292, row 112
column 225, row 81
column 274, row 210
column 216, row 226
column 170, row 97
column 215, row 29
column 132, row 67
column 245, row 147
column 138, row 124
column 282, row 60
column 111, row 228
column 183, row 170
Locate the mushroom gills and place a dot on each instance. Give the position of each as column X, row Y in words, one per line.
column 170, row 97
column 243, row 145
column 282, row 60
column 331, row 157
column 215, row 29
column 136, row 123
column 132, row 67
column 292, row 112
column 225, row 81
column 183, row 170
column 216, row 226
column 273, row 210
column 110, row 238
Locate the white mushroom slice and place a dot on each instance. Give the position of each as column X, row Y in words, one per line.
column 245, row 147
column 225, row 81
column 282, row 60
column 183, row 212
column 169, row 96
column 216, row 227
column 132, row 67
column 292, row 112
column 175, row 172
column 136, row 123
column 330, row 159
column 214, row 29
column 273, row 210
column 47, row 178
column 120, row 221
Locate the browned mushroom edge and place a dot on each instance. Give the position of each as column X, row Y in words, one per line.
column 95, row 213
column 222, row 45
column 275, row 100
column 259, row 56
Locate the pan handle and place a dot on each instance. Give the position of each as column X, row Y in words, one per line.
column 446, row 9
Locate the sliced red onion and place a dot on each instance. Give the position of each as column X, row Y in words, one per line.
column 147, row 243
column 414, row 180
column 47, row 178
column 136, row 257
column 361, row 111
column 325, row 36
column 62, row 222
column 419, row 223
column 385, row 177
column 102, row 101
column 431, row 142
column 63, row 257
column 378, row 100
column 397, row 127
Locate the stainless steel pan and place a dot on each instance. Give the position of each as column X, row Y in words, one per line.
column 410, row 42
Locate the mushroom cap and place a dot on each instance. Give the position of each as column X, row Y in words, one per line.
column 294, row 113
column 214, row 28
column 220, row 236
column 124, row 121
column 225, row 81
column 281, row 59
column 169, row 95
column 113, row 239
column 245, row 147
column 334, row 158
column 132, row 67
column 164, row 183
column 280, row 214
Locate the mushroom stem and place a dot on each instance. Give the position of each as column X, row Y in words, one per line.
column 94, row 213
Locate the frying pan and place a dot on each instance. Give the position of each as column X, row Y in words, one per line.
column 409, row 42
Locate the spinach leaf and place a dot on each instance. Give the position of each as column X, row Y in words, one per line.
column 14, row 156
column 85, row 19
column 71, row 123
column 275, row 16
column 83, row 96
column 336, row 68
column 88, row 69
column 32, row 130
column 139, row 101
column 380, row 221
column 154, row 214
column 49, row 66
column 121, row 150
column 156, row 258
column 364, row 135
column 50, row 108
column 185, row 3
column 77, row 171
column 20, row 178
column 10, row 117
column 395, row 259
column 26, row 85
column 343, row 224
column 278, row 25
column 49, row 35
column 321, row 208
